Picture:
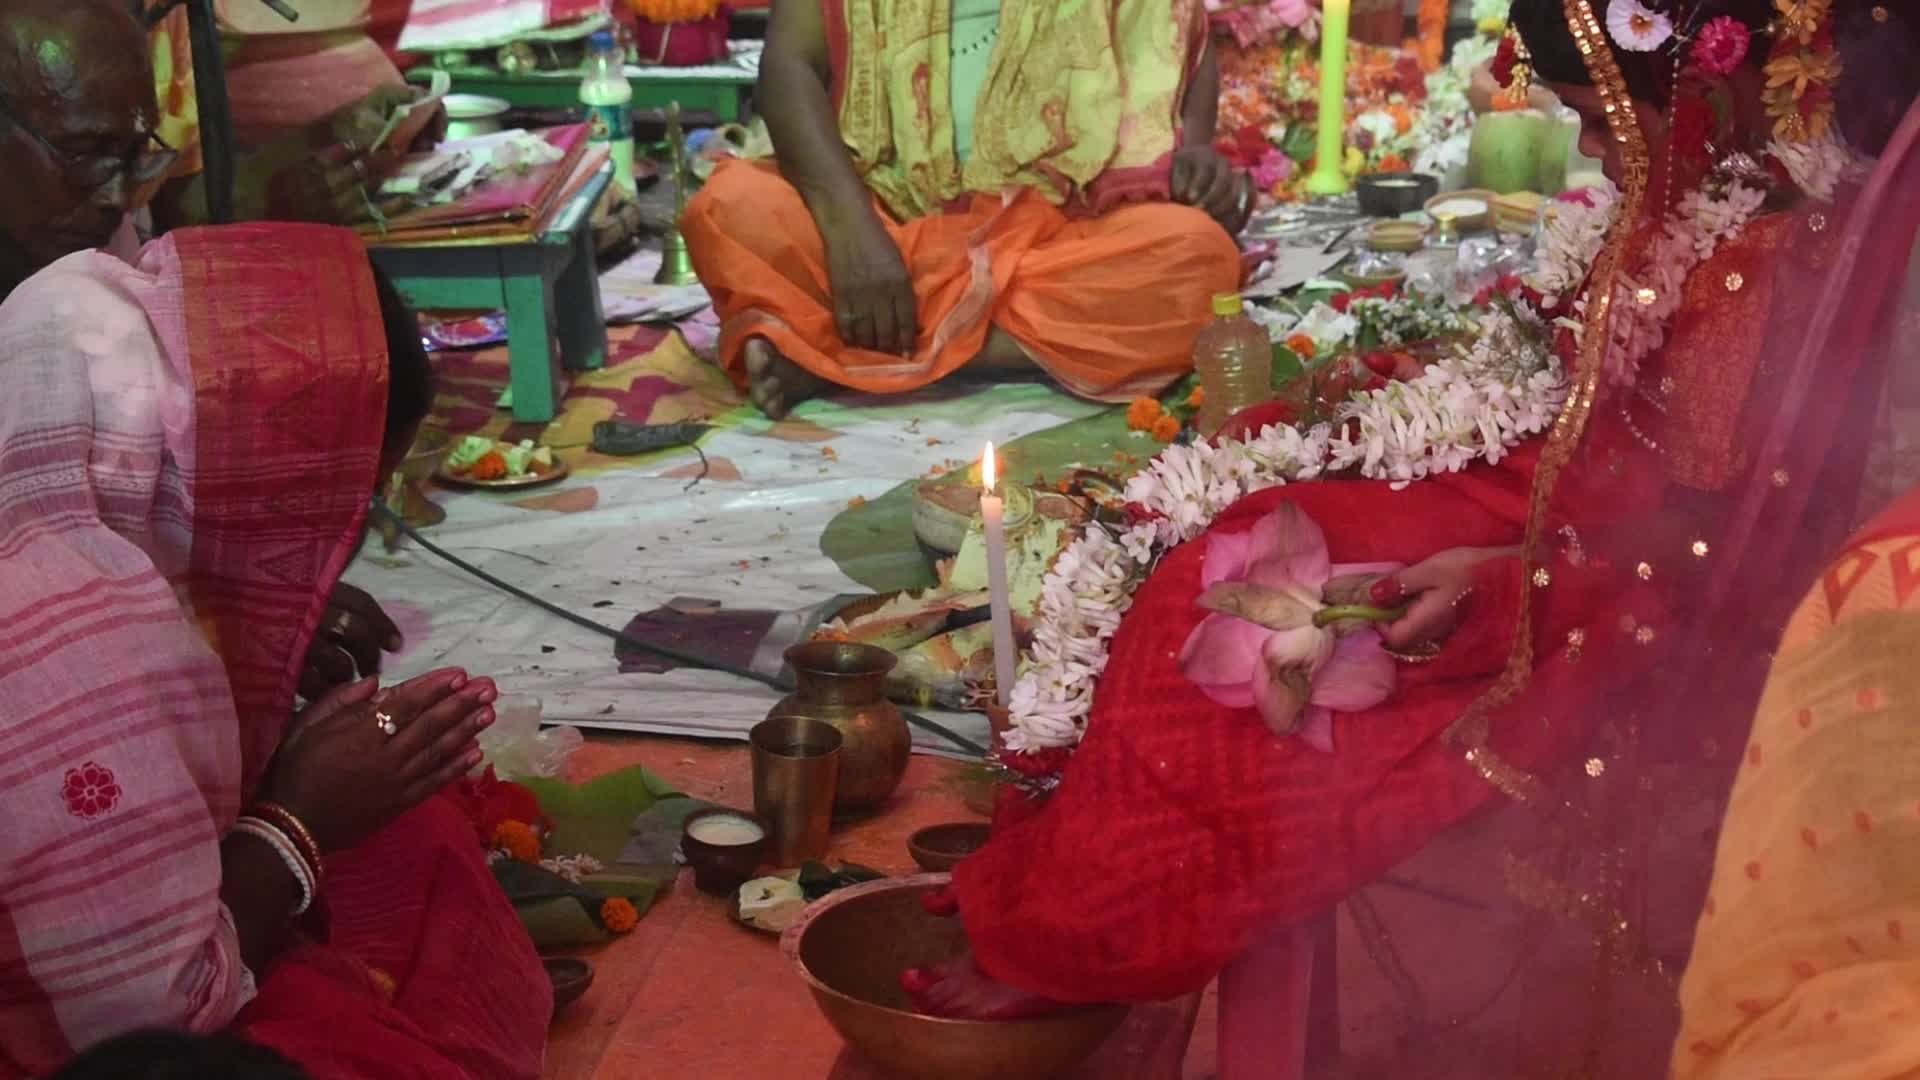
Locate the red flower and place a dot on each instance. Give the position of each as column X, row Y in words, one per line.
column 488, row 800
column 90, row 791
column 1503, row 62
column 1720, row 45
column 1381, row 363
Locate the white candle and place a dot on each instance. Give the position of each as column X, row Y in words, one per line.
column 992, row 512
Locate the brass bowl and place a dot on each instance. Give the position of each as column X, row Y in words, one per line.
column 851, row 948
column 939, row 848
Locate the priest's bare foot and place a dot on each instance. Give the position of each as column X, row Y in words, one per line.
column 959, row 990
column 775, row 383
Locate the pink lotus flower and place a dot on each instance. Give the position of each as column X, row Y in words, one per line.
column 1721, row 44
column 1260, row 647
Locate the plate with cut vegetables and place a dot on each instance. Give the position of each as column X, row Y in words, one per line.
column 479, row 462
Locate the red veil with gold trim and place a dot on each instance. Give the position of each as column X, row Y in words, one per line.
column 1516, row 845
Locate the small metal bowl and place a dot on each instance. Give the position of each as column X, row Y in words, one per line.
column 851, row 948
column 719, row 869
column 469, row 115
column 939, row 848
column 1391, row 194
column 571, row 978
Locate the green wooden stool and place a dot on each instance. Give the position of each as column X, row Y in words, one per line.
column 548, row 286
column 721, row 95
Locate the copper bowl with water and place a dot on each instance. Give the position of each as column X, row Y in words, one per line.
column 851, row 948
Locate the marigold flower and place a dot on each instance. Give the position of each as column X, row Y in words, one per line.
column 1301, row 345
column 1142, row 413
column 1198, row 397
column 1166, row 429
column 518, row 839
column 618, row 915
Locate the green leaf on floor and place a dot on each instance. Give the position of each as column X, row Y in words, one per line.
column 874, row 543
column 596, row 818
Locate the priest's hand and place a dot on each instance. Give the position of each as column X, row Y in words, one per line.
column 873, row 302
column 1205, row 180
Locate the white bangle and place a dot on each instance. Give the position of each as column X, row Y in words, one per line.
column 289, row 854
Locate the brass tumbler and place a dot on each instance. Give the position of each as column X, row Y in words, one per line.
column 796, row 769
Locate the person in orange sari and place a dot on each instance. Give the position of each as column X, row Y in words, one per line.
column 1801, row 964
column 964, row 182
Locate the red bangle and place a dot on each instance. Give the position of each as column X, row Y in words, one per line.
column 296, row 830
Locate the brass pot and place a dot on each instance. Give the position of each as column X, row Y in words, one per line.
column 851, row 948
column 844, row 684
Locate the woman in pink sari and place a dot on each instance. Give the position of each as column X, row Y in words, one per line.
column 186, row 456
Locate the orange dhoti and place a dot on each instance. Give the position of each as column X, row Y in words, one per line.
column 1108, row 305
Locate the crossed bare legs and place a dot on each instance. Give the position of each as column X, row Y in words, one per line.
column 777, row 384
column 959, row 990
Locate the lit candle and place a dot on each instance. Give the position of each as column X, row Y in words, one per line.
column 1328, row 178
column 992, row 512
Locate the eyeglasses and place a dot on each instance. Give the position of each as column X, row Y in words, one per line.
column 145, row 160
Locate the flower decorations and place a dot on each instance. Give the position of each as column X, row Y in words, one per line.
column 518, row 839
column 1649, row 292
column 618, row 915
column 1165, row 422
column 490, row 802
column 1636, row 27
column 1720, row 45
column 1801, row 71
column 1470, row 405
column 675, row 11
column 1250, row 22
column 1272, row 642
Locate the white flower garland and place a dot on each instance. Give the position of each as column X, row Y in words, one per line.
column 1471, row 406
column 1646, row 296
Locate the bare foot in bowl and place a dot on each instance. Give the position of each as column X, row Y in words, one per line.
column 959, row 990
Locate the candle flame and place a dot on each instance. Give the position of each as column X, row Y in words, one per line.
column 986, row 469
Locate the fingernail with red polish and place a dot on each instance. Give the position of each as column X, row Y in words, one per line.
column 1385, row 591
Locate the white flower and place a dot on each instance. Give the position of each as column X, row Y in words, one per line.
column 1816, row 165
column 1637, row 28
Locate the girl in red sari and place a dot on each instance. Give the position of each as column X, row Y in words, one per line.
column 186, row 456
column 1586, row 619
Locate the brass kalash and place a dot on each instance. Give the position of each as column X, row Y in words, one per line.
column 676, row 266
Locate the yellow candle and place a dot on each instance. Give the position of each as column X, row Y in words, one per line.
column 1327, row 177
column 992, row 524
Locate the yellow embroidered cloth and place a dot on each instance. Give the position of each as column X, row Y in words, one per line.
column 1081, row 100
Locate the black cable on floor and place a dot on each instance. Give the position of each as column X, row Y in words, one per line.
column 663, row 651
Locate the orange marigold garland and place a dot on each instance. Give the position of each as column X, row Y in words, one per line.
column 618, row 915
column 674, row 11
column 1167, row 428
column 1142, row 412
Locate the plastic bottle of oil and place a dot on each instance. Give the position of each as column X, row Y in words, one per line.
column 1235, row 362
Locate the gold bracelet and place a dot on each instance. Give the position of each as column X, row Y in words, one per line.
column 1428, row 652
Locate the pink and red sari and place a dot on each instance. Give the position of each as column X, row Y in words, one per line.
column 1596, row 694
column 187, row 448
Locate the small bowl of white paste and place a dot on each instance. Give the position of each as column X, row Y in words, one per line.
column 1468, row 210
